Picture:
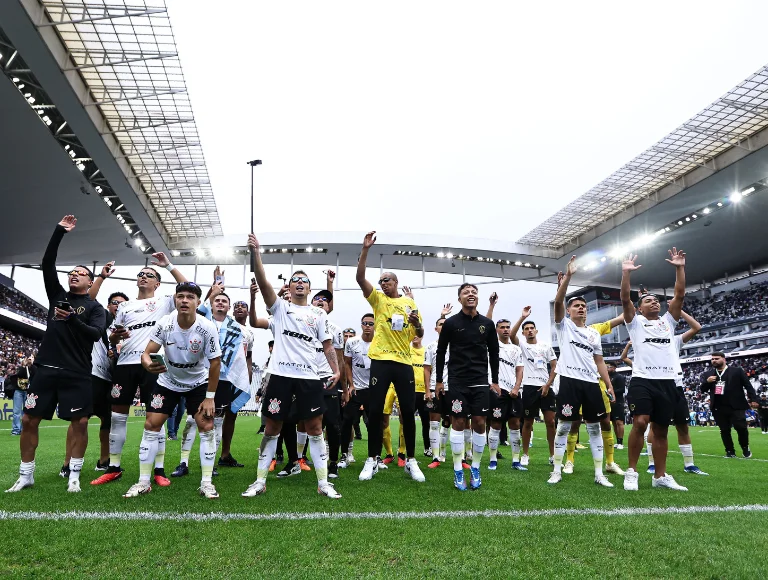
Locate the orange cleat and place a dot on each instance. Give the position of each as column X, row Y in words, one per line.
column 161, row 480
column 272, row 465
column 303, row 465
column 108, row 477
column 435, row 463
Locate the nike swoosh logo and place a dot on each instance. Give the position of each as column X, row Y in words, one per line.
column 485, row 410
column 169, row 343
column 315, row 409
column 75, row 410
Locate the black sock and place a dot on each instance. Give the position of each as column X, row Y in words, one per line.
column 620, row 440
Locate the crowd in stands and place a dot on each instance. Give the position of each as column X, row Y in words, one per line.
column 751, row 300
column 19, row 303
column 14, row 348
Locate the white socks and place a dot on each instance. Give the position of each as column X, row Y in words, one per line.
column 218, row 423
column 75, row 465
column 434, row 438
column 468, row 443
column 493, row 442
column 301, row 443
column 117, row 431
column 514, row 441
column 649, row 445
column 188, row 439
column 160, row 457
column 207, row 454
column 147, row 453
column 457, row 447
column 443, row 440
column 478, row 446
column 319, row 457
column 687, row 451
column 266, row 453
column 596, row 446
column 561, row 439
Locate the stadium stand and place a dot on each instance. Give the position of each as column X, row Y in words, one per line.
column 19, row 303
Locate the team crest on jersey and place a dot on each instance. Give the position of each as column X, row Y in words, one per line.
column 157, row 401
column 527, row 412
column 456, row 406
column 80, row 309
column 195, row 345
column 632, row 407
column 662, row 325
column 115, row 392
column 567, row 410
column 497, row 413
column 374, row 380
column 310, row 320
column 482, row 329
column 274, row 406
column 31, row 401
column 151, row 306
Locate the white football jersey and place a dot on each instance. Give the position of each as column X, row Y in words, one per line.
column 510, row 358
column 140, row 318
column 535, row 359
column 296, row 328
column 578, row 345
column 186, row 351
column 430, row 360
column 247, row 338
column 357, row 349
column 657, row 355
column 337, row 341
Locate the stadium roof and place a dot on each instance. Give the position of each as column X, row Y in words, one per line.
column 729, row 122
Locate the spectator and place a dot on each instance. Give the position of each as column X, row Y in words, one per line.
column 20, row 304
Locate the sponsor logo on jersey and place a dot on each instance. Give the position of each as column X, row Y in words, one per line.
column 297, row 335
column 157, row 401
column 115, row 392
column 657, row 340
column 567, row 410
column 143, row 325
column 31, row 401
column 582, row 346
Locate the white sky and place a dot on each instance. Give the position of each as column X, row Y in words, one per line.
column 477, row 119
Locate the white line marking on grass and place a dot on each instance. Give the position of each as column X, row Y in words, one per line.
column 298, row 516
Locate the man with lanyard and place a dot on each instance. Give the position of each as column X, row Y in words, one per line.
column 537, row 382
column 133, row 326
column 335, row 394
column 652, row 391
column 188, row 340
column 439, row 411
column 294, row 378
column 102, row 359
column 397, row 322
column 358, row 368
column 17, row 383
column 579, row 366
column 63, row 363
column 508, row 406
column 473, row 346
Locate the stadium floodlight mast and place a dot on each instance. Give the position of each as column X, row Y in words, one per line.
column 253, row 164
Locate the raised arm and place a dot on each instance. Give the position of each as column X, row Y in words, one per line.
column 365, row 285
column 442, row 347
column 694, row 325
column 562, row 290
column 677, row 259
column 627, row 267
column 261, row 277
column 50, row 277
column 617, row 321
column 254, row 320
column 105, row 273
column 162, row 261
column 492, row 300
column 330, row 276
column 625, row 354
column 516, row 328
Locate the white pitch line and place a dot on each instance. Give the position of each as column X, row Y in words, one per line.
column 298, row 516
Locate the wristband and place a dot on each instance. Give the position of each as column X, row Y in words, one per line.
column 170, row 267
column 210, row 394
column 102, row 276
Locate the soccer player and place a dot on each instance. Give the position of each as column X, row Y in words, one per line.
column 652, row 390
column 537, row 382
column 474, row 346
column 579, row 366
column 397, row 322
column 133, row 326
column 294, row 378
column 439, row 415
column 63, row 363
column 334, row 394
column 508, row 406
column 188, row 340
column 358, row 368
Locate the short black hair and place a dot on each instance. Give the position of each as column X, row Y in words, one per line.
column 223, row 294
column 190, row 287
column 155, row 271
column 464, row 285
column 502, row 321
column 527, row 322
column 720, row 354
column 117, row 295
column 438, row 320
column 87, row 269
column 271, row 343
column 369, row 315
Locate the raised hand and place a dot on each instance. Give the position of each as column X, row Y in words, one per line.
column 629, row 265
column 571, row 266
column 526, row 312
column 160, row 259
column 330, row 275
column 253, row 243
column 254, row 289
column 108, row 269
column 218, row 273
column 369, row 240
column 216, row 289
column 493, row 298
column 677, row 257
column 560, row 277
column 407, row 292
column 68, row 222
column 447, row 309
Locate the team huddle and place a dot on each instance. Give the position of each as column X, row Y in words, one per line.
column 477, row 380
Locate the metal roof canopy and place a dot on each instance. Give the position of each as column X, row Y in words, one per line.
column 729, row 122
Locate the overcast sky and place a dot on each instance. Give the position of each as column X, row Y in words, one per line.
column 475, row 119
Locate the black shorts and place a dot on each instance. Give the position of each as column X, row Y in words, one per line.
column 468, row 401
column 681, row 414
column 127, row 379
column 69, row 390
column 102, row 398
column 351, row 410
column 225, row 394
column 164, row 400
column 533, row 402
column 578, row 394
column 332, row 404
column 292, row 397
column 505, row 407
column 657, row 398
column 617, row 410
